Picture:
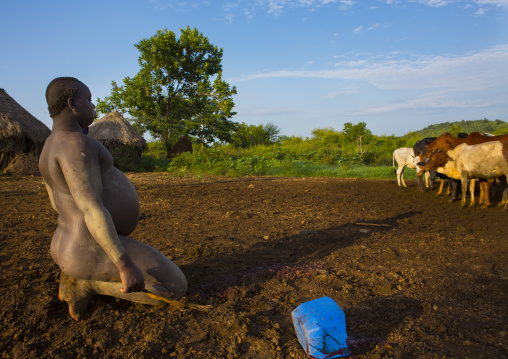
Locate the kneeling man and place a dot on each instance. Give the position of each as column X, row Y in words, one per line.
column 98, row 208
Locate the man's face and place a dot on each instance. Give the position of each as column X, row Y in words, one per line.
column 84, row 107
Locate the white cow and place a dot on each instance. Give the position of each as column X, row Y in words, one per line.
column 404, row 157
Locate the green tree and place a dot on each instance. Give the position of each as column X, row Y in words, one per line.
column 358, row 134
column 327, row 136
column 353, row 132
column 252, row 135
column 455, row 129
column 272, row 132
column 174, row 87
column 214, row 109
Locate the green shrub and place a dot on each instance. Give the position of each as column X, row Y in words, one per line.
column 126, row 159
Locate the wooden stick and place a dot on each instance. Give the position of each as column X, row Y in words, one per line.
column 170, row 301
column 375, row 224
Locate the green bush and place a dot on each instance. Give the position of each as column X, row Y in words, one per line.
column 126, row 159
column 327, row 153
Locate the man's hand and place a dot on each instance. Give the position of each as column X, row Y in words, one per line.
column 132, row 280
column 130, row 275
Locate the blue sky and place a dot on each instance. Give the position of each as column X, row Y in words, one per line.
column 399, row 66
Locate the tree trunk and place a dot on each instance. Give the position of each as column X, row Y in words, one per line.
column 167, row 146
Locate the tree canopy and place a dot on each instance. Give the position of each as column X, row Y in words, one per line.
column 178, row 91
column 252, row 135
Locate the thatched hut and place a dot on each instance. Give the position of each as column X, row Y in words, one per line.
column 183, row 145
column 20, row 132
column 120, row 138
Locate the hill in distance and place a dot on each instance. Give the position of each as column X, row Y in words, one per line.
column 496, row 127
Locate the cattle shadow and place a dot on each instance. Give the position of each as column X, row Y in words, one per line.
column 260, row 262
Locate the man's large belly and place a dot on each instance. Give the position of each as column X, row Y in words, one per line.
column 121, row 200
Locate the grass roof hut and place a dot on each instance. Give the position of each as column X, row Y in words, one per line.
column 20, row 132
column 120, row 138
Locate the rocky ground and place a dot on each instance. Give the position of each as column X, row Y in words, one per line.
column 417, row 276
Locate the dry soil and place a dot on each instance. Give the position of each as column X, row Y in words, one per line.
column 417, row 276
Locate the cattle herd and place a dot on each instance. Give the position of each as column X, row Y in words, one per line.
column 460, row 162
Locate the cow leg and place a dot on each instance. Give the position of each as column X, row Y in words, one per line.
column 472, row 184
column 449, row 183
column 419, row 175
column 505, row 199
column 493, row 189
column 432, row 178
column 504, row 184
column 465, row 182
column 481, row 198
column 441, row 187
column 421, row 186
column 400, row 176
column 455, row 190
column 428, row 180
column 487, row 189
column 487, row 185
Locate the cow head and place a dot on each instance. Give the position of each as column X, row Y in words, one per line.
column 438, row 158
column 444, row 142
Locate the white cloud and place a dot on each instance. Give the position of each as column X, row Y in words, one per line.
column 472, row 71
column 361, row 28
column 438, row 3
column 435, row 3
column 229, row 9
column 276, row 7
column 357, row 63
column 492, row 2
column 165, row 4
column 344, row 5
column 434, row 100
column 336, row 94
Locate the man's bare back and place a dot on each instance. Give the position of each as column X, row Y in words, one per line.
column 98, row 207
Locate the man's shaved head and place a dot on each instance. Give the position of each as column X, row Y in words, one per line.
column 59, row 91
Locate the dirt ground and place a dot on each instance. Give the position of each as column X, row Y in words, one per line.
column 422, row 279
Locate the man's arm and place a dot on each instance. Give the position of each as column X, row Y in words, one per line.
column 50, row 194
column 79, row 163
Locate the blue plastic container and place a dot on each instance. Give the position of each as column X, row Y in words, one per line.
column 321, row 328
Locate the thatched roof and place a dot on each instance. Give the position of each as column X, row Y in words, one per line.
column 183, row 145
column 114, row 129
column 15, row 121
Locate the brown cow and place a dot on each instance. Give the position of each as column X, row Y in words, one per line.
column 484, row 161
column 447, row 141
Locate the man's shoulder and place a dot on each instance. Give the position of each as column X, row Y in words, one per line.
column 72, row 140
column 72, row 147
